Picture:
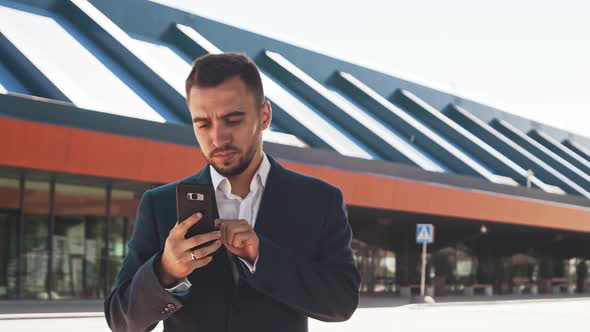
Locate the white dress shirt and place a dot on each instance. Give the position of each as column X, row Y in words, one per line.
column 231, row 206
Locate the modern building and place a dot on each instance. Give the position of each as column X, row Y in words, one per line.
column 92, row 113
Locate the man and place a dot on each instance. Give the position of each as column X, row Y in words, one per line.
column 282, row 249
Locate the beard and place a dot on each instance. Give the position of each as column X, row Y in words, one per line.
column 243, row 162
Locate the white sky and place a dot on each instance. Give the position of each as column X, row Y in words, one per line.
column 527, row 57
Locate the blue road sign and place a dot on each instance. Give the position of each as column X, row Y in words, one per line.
column 424, row 233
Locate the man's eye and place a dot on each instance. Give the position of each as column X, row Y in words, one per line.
column 204, row 125
column 234, row 121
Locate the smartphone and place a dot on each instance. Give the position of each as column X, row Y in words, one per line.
column 192, row 198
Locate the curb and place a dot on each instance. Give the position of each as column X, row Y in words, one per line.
column 51, row 316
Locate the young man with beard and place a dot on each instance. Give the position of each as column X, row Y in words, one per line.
column 282, row 249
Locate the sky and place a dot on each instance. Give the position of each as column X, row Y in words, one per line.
column 530, row 58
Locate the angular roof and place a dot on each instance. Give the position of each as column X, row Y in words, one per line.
column 92, row 56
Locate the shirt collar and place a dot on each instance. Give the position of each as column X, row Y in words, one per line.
column 261, row 175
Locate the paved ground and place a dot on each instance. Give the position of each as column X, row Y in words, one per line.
column 519, row 315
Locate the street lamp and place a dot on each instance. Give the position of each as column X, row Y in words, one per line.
column 483, row 229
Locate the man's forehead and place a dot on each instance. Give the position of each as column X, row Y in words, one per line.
column 219, row 100
column 232, row 86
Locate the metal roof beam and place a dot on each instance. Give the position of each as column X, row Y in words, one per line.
column 515, row 152
column 581, row 179
column 473, row 147
column 118, row 44
column 288, row 111
column 561, row 150
column 26, row 72
column 355, row 121
column 577, row 148
column 420, row 135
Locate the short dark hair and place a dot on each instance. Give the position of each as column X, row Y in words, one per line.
column 213, row 69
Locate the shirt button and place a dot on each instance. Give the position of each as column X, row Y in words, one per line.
column 170, row 306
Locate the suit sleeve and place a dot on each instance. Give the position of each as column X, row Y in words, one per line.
column 138, row 301
column 326, row 287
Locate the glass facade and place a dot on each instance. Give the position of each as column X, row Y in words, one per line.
column 123, row 206
column 453, row 269
column 377, row 266
column 35, row 255
column 78, row 241
column 66, row 239
column 9, row 207
column 61, row 240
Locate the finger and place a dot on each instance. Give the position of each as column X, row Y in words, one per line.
column 225, row 224
column 199, row 263
column 240, row 239
column 223, row 229
column 182, row 227
column 197, row 240
column 206, row 250
column 219, row 222
column 235, row 229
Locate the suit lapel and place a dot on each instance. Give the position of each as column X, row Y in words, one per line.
column 271, row 197
column 222, row 258
column 268, row 213
column 270, row 207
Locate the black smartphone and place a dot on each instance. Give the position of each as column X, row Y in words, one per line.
column 192, row 198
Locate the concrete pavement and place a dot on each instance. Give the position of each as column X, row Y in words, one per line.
column 376, row 315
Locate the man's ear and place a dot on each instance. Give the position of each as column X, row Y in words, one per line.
column 265, row 115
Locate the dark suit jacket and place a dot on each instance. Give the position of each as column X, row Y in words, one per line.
column 305, row 268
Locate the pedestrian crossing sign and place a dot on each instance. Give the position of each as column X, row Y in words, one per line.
column 424, row 233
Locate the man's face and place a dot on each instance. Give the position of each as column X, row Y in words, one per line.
column 228, row 122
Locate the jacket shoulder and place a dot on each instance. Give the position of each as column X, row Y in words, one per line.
column 307, row 182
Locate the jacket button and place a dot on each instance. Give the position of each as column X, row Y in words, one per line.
column 167, row 308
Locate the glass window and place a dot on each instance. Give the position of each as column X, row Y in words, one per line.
column 123, row 208
column 377, row 267
column 173, row 66
column 165, row 59
column 298, row 109
column 9, row 193
column 35, row 242
column 380, row 128
column 454, row 268
column 78, row 241
column 82, row 71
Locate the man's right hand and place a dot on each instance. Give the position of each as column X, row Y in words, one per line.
column 176, row 262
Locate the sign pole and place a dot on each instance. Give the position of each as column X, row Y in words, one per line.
column 423, row 277
column 424, row 236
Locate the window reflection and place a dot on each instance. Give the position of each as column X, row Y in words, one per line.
column 377, row 267
column 123, row 207
column 35, row 245
column 454, row 269
column 9, row 193
column 78, row 241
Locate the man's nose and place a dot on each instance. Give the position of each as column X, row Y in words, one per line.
column 220, row 136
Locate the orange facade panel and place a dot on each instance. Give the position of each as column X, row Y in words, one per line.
column 35, row 145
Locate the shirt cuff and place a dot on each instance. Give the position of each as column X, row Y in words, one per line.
column 252, row 267
column 181, row 289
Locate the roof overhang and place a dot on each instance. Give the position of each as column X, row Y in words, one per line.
column 58, row 137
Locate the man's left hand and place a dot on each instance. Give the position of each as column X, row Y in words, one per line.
column 239, row 238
